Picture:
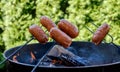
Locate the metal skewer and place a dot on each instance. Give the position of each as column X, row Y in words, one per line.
column 17, row 50
column 91, row 31
column 107, row 34
column 33, row 70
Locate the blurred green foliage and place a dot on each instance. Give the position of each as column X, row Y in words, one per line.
column 17, row 15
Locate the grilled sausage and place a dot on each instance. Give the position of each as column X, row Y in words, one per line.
column 47, row 23
column 68, row 28
column 100, row 34
column 38, row 33
column 60, row 37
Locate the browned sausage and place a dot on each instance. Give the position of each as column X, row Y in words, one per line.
column 47, row 23
column 60, row 37
column 100, row 34
column 38, row 33
column 68, row 28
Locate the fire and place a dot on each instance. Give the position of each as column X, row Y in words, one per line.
column 15, row 58
column 32, row 57
column 56, row 62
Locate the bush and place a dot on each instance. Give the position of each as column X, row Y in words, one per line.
column 17, row 15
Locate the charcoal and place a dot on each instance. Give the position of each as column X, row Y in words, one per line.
column 53, row 57
column 67, row 58
column 73, row 61
column 58, row 61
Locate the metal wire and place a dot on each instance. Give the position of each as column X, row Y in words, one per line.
column 107, row 34
column 92, row 31
column 17, row 50
column 33, row 70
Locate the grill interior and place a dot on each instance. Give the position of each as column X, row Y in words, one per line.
column 96, row 55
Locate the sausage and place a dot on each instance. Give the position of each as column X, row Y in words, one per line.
column 38, row 33
column 60, row 37
column 100, row 33
column 68, row 28
column 47, row 23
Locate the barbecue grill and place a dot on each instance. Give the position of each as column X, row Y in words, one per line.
column 106, row 58
column 29, row 58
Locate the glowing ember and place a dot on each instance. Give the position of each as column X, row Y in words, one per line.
column 32, row 57
column 56, row 62
column 15, row 58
